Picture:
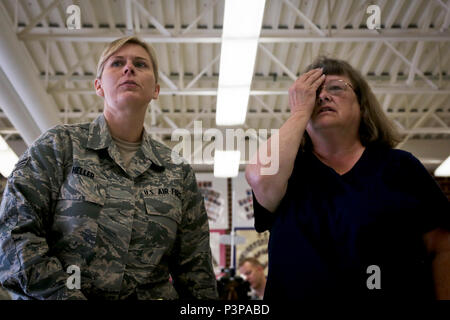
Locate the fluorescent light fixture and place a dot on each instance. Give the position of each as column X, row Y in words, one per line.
column 241, row 29
column 226, row 163
column 444, row 169
column 7, row 158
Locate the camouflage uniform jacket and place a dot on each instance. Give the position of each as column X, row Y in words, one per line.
column 136, row 233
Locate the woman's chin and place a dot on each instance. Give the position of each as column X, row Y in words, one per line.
column 131, row 102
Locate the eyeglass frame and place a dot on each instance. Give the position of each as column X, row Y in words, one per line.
column 340, row 80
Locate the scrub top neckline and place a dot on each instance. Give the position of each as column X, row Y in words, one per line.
column 352, row 169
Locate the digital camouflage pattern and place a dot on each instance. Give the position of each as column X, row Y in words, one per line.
column 71, row 201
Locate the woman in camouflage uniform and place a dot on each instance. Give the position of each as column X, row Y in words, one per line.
column 106, row 200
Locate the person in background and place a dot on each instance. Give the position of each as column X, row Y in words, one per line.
column 107, row 200
column 350, row 217
column 253, row 272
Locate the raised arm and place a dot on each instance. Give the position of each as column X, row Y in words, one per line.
column 270, row 189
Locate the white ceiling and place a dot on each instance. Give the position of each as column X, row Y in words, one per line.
column 407, row 62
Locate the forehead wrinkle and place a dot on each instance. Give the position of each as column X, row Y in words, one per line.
column 328, row 80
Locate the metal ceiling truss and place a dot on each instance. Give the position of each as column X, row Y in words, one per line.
column 418, row 50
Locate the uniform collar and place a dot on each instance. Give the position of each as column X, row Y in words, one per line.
column 149, row 149
column 100, row 138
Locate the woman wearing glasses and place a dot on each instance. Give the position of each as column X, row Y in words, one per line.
column 349, row 216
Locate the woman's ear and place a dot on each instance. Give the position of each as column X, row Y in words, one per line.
column 98, row 88
column 156, row 92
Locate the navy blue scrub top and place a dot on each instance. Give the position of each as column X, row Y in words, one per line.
column 329, row 228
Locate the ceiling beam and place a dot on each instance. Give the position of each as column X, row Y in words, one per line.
column 16, row 112
column 305, row 18
column 415, row 61
column 416, row 126
column 207, row 8
column 215, row 36
column 72, row 68
column 33, row 22
column 129, row 17
column 278, row 62
column 213, row 91
column 18, row 69
column 257, row 78
column 409, row 63
column 270, row 113
column 202, row 72
column 152, row 19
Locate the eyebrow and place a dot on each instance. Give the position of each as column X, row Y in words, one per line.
column 340, row 80
column 134, row 58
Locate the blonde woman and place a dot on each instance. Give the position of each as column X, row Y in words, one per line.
column 105, row 199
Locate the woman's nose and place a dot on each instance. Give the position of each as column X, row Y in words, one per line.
column 323, row 95
column 129, row 68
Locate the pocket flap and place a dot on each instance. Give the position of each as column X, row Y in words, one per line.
column 77, row 187
column 166, row 206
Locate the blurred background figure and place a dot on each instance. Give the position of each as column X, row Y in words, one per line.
column 232, row 287
column 253, row 272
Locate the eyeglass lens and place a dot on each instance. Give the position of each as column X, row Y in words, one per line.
column 334, row 87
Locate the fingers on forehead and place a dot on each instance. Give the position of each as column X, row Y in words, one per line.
column 312, row 73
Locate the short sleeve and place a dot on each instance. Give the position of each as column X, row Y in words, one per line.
column 264, row 219
column 434, row 210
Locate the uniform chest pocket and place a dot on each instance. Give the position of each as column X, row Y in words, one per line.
column 77, row 210
column 164, row 214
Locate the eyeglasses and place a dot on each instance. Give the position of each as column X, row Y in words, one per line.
column 335, row 87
